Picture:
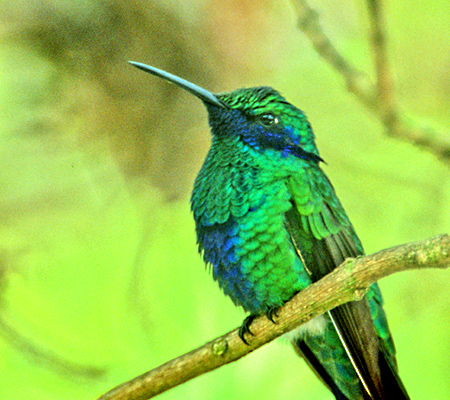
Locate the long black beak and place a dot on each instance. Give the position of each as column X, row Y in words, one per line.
column 190, row 87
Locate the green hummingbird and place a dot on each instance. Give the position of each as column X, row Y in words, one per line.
column 269, row 224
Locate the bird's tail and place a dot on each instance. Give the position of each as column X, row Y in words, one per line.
column 392, row 386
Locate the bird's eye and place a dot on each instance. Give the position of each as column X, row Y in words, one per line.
column 268, row 119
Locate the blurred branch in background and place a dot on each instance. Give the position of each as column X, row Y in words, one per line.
column 48, row 358
column 378, row 97
column 349, row 282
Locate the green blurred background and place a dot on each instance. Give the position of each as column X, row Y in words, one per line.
column 100, row 279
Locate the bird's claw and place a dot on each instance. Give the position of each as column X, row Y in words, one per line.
column 272, row 312
column 245, row 328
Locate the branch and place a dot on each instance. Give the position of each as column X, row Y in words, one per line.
column 385, row 86
column 379, row 98
column 348, row 282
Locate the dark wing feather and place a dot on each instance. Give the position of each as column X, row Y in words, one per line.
column 321, row 256
column 323, row 244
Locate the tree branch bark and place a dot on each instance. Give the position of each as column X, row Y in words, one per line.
column 348, row 282
column 378, row 98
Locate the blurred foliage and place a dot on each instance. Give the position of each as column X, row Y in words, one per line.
column 100, row 279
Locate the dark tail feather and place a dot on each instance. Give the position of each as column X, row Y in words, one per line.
column 392, row 384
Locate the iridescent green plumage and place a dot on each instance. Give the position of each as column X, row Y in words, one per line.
column 269, row 223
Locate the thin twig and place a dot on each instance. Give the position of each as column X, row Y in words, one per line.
column 357, row 82
column 377, row 98
column 347, row 283
column 384, row 83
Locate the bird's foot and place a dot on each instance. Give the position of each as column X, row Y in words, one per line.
column 272, row 312
column 245, row 328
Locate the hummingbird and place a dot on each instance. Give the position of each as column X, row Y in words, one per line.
column 269, row 224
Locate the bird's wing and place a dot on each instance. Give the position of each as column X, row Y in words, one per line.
column 324, row 237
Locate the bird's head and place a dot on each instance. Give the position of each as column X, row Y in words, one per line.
column 259, row 117
column 265, row 121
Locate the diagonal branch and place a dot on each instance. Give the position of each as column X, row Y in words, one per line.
column 377, row 98
column 348, row 282
column 357, row 82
